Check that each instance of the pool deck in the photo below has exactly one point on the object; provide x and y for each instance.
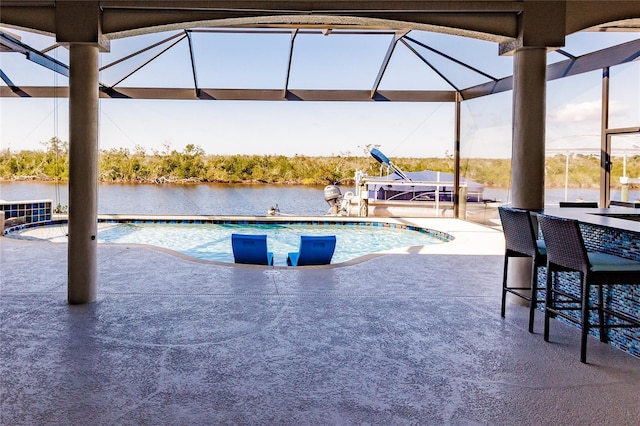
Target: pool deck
(409, 337)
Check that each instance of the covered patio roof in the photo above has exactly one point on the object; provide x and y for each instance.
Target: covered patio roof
(444, 64)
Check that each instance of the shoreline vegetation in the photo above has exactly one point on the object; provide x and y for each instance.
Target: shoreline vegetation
(193, 165)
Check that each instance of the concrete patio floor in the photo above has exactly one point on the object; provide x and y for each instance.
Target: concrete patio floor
(412, 337)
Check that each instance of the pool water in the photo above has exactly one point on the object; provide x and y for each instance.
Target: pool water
(213, 241)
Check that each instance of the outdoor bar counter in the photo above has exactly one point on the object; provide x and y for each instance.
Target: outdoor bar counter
(615, 231)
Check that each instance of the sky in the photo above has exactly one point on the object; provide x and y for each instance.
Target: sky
(336, 61)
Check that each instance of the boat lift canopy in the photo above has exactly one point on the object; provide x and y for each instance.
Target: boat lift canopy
(384, 160)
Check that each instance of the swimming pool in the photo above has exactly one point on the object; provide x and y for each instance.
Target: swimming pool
(211, 239)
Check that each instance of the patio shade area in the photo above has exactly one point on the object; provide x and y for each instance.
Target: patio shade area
(413, 337)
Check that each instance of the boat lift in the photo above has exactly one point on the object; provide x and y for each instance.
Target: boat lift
(414, 194)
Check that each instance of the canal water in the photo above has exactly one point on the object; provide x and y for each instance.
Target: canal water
(225, 199)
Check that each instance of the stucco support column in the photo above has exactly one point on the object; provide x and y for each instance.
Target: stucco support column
(528, 149)
(83, 173)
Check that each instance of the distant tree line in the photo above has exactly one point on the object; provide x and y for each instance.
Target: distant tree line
(193, 165)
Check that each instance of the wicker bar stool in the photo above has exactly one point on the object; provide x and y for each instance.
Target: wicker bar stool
(566, 252)
(521, 241)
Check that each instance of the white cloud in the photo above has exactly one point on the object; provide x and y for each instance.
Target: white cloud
(584, 111)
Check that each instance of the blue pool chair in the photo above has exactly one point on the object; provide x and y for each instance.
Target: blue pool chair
(251, 249)
(314, 250)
